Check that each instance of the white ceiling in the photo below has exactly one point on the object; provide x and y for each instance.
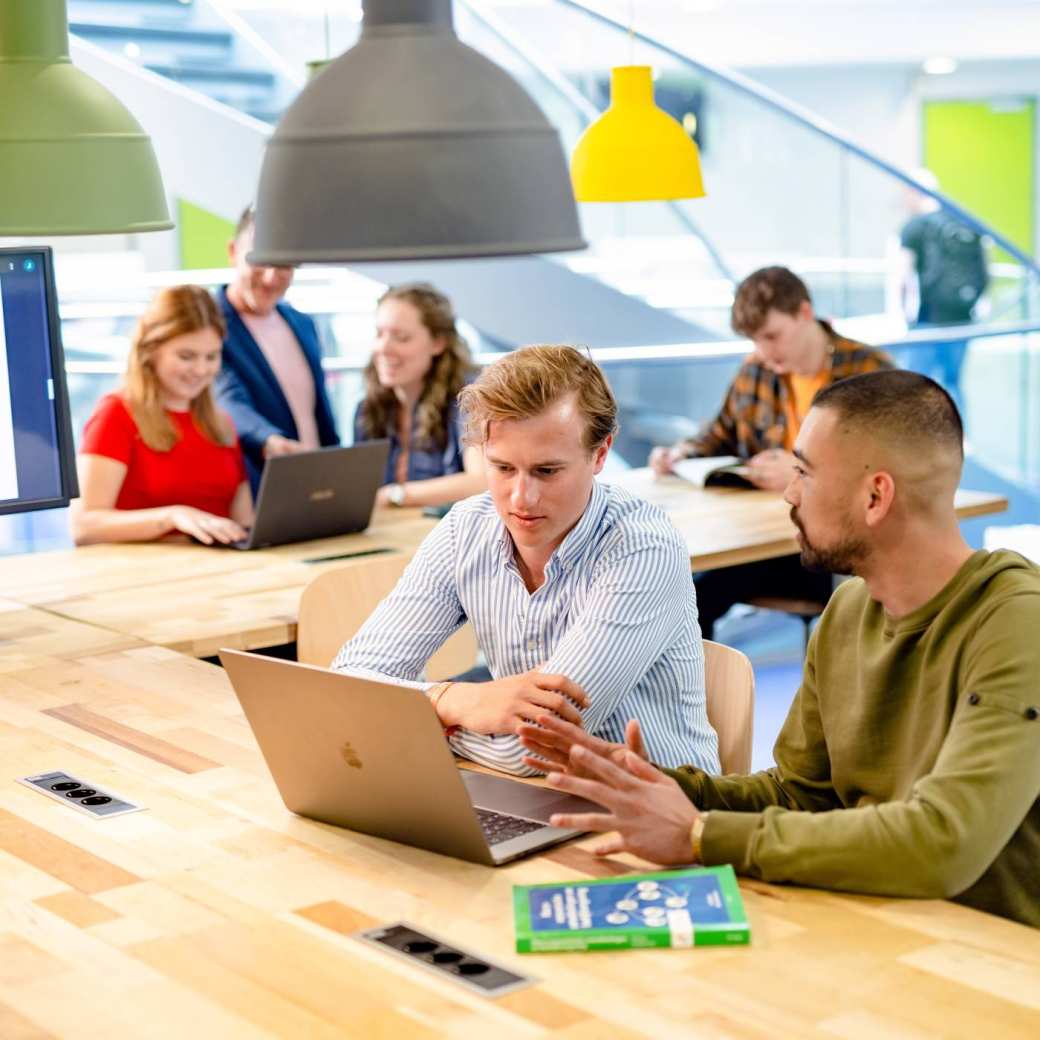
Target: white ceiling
(774, 33)
(756, 33)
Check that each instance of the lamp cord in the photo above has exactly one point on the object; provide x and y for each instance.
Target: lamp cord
(631, 32)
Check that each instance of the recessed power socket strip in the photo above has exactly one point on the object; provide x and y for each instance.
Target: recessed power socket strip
(445, 959)
(86, 797)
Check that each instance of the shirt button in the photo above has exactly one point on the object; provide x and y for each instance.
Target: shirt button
(973, 698)
(532, 645)
(1032, 713)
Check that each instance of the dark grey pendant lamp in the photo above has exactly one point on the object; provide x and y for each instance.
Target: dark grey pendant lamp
(411, 145)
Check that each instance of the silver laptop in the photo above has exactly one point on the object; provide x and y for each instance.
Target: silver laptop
(317, 494)
(371, 757)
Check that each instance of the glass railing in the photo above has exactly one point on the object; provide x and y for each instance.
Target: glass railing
(99, 312)
(658, 252)
(666, 392)
(783, 187)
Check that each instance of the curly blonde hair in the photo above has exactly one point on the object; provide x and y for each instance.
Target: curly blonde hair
(449, 372)
(526, 382)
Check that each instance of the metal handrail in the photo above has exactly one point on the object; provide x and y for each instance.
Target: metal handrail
(794, 112)
(553, 77)
(657, 353)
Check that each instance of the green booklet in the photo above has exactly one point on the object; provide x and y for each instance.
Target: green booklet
(681, 908)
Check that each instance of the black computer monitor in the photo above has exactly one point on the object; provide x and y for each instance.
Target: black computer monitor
(37, 454)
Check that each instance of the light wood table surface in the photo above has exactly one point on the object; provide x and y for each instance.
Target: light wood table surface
(196, 599)
(218, 914)
(724, 527)
(31, 638)
(45, 578)
(193, 598)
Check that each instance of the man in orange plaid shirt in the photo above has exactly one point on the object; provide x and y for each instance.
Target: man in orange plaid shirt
(796, 354)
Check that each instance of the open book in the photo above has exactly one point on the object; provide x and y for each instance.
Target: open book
(714, 471)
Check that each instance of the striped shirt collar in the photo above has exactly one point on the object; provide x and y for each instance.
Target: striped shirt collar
(577, 540)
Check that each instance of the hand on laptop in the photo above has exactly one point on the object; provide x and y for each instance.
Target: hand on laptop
(648, 809)
(276, 444)
(203, 526)
(550, 740)
(500, 706)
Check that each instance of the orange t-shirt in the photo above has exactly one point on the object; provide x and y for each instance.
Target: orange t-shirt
(800, 392)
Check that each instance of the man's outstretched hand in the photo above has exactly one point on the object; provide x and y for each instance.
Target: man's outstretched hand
(649, 811)
(551, 739)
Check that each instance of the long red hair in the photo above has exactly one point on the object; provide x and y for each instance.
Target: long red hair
(174, 311)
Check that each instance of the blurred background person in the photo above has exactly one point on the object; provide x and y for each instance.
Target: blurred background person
(418, 366)
(158, 456)
(271, 380)
(940, 275)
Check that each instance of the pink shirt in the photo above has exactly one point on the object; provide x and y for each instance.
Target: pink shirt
(287, 361)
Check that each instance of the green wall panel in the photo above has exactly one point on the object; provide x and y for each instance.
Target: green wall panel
(983, 153)
(203, 236)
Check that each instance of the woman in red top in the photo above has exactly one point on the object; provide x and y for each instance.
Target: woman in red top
(158, 457)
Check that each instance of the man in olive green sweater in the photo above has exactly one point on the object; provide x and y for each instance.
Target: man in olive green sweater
(909, 764)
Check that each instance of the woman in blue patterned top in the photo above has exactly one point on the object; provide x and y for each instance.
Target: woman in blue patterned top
(419, 364)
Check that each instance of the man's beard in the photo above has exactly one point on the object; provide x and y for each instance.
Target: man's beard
(841, 558)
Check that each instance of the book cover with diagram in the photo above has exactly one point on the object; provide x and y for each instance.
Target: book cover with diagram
(700, 906)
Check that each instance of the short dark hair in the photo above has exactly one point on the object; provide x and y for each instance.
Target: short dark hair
(769, 288)
(907, 407)
(245, 221)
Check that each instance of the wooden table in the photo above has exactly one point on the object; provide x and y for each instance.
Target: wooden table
(216, 913)
(36, 638)
(47, 578)
(196, 599)
(724, 527)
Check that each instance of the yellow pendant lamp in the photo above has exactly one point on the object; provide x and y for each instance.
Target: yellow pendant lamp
(635, 151)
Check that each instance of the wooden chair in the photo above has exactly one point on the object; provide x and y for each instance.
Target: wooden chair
(730, 687)
(335, 605)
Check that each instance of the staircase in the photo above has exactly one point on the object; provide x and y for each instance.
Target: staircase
(190, 42)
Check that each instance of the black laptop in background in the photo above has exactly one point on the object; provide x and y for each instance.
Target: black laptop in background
(317, 494)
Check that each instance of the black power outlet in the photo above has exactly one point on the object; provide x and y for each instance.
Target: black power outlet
(63, 787)
(447, 959)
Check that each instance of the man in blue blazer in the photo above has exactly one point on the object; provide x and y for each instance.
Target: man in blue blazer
(271, 381)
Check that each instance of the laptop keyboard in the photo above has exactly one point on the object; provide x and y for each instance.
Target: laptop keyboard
(498, 827)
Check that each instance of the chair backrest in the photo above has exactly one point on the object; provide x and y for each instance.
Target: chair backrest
(729, 683)
(336, 604)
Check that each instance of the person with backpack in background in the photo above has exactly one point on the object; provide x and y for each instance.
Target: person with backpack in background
(942, 276)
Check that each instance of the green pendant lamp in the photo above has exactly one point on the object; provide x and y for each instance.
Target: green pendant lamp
(412, 145)
(73, 161)
(635, 151)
